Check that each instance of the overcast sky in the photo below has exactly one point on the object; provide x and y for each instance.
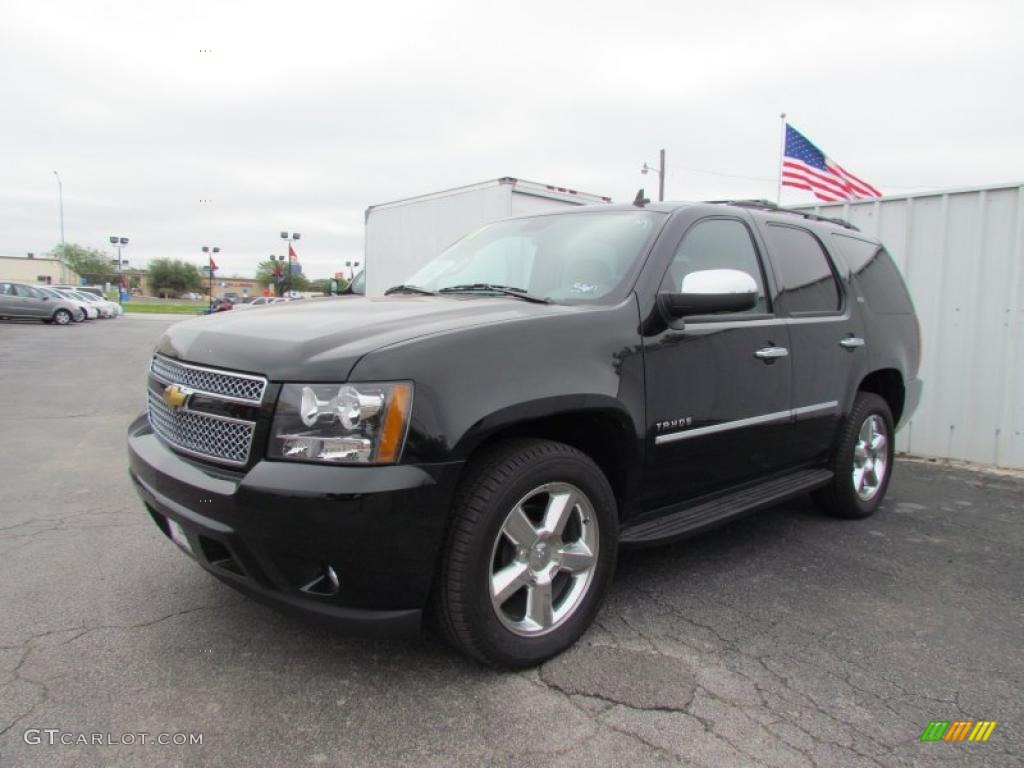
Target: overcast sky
(304, 113)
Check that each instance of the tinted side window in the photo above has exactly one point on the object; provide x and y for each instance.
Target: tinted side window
(876, 275)
(716, 244)
(25, 291)
(806, 281)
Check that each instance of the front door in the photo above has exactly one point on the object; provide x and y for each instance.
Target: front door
(718, 389)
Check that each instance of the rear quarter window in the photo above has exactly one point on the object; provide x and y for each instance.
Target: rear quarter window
(877, 276)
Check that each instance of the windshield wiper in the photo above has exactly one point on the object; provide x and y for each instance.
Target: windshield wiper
(408, 289)
(504, 290)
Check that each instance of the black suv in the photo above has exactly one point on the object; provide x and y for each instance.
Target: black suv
(478, 444)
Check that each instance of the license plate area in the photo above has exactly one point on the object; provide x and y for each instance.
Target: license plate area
(178, 536)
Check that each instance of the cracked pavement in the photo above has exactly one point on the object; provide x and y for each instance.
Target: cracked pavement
(785, 639)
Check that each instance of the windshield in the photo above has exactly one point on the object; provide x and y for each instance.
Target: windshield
(561, 257)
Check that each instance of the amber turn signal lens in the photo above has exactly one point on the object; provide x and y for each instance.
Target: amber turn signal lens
(396, 420)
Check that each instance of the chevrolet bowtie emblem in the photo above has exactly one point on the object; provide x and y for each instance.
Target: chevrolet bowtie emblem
(175, 396)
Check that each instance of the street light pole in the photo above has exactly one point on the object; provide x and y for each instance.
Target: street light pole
(209, 268)
(119, 243)
(660, 170)
(60, 197)
(289, 238)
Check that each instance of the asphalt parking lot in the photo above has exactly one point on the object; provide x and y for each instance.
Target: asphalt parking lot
(787, 639)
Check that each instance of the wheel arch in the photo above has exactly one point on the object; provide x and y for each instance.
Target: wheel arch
(888, 384)
(603, 431)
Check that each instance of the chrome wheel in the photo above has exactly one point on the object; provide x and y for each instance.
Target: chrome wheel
(543, 559)
(870, 457)
(61, 317)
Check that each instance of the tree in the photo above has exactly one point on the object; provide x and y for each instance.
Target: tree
(266, 276)
(173, 276)
(91, 263)
(323, 285)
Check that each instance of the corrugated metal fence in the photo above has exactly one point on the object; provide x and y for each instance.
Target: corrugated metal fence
(962, 253)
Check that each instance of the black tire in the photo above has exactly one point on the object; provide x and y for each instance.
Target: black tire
(62, 317)
(497, 481)
(840, 498)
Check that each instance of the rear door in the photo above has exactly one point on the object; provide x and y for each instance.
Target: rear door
(825, 332)
(718, 388)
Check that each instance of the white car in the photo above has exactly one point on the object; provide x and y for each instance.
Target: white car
(92, 311)
(259, 301)
(106, 307)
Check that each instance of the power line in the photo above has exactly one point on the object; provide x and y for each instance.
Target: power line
(765, 178)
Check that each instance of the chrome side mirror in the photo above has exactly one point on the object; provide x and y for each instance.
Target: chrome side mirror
(710, 291)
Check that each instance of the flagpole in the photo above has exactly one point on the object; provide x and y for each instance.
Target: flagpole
(782, 154)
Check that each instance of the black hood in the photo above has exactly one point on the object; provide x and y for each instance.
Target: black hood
(322, 339)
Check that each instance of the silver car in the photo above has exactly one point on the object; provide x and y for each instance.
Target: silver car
(106, 308)
(23, 300)
(91, 310)
(53, 293)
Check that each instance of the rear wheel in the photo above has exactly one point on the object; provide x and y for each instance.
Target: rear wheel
(530, 553)
(861, 461)
(62, 317)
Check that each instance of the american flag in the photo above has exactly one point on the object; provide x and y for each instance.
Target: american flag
(804, 166)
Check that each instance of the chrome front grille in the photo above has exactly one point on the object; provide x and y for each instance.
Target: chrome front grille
(231, 386)
(202, 433)
(208, 436)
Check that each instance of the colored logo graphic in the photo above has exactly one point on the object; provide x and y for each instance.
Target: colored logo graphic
(958, 730)
(175, 396)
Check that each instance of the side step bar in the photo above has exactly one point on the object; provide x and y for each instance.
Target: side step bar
(691, 519)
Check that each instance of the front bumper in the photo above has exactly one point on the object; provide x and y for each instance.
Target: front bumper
(272, 530)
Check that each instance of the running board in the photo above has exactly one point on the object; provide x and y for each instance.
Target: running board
(691, 519)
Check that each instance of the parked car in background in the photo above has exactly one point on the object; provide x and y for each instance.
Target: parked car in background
(259, 301)
(80, 313)
(25, 301)
(95, 290)
(91, 310)
(107, 309)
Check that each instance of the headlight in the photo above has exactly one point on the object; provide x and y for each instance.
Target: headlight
(341, 423)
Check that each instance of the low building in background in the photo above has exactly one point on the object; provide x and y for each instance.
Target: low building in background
(37, 270)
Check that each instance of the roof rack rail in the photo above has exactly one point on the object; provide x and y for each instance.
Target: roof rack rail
(768, 205)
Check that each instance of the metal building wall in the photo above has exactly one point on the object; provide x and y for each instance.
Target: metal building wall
(962, 254)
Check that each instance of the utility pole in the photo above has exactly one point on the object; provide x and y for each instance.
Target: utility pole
(119, 243)
(661, 178)
(209, 268)
(289, 238)
(660, 170)
(60, 196)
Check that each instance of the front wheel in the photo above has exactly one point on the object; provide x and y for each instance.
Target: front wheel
(62, 317)
(861, 461)
(530, 553)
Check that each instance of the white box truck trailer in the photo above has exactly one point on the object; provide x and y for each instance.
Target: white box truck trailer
(403, 235)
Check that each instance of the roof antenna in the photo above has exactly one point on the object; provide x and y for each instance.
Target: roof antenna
(640, 201)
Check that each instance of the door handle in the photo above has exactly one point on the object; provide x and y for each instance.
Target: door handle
(771, 353)
(852, 342)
